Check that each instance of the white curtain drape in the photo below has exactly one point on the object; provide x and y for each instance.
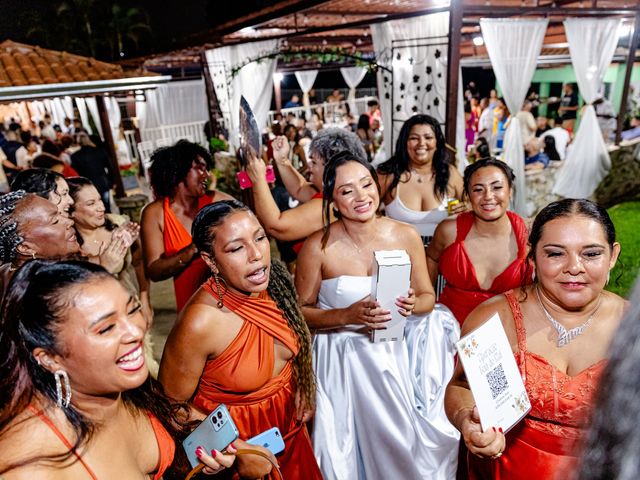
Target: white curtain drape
(352, 77)
(67, 105)
(513, 45)
(592, 43)
(174, 103)
(415, 78)
(306, 79)
(251, 79)
(92, 106)
(84, 114)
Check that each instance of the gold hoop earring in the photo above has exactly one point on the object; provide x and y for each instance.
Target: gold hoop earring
(216, 278)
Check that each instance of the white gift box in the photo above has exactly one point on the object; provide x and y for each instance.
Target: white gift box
(391, 278)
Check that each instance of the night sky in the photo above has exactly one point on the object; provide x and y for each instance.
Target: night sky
(171, 22)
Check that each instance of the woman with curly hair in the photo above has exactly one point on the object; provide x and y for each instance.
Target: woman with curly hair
(419, 179)
(241, 339)
(47, 184)
(179, 177)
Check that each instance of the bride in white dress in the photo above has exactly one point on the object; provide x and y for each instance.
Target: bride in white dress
(380, 412)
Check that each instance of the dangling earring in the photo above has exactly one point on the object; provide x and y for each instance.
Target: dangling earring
(216, 278)
(62, 401)
(533, 276)
(33, 255)
(608, 278)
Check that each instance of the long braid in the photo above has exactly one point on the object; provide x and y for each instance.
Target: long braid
(284, 294)
(9, 237)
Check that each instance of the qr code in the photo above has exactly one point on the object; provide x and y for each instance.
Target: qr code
(497, 381)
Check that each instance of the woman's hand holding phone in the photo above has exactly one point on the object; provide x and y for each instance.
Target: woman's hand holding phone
(256, 168)
(214, 461)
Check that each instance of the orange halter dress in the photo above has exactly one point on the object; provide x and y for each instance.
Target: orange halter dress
(241, 378)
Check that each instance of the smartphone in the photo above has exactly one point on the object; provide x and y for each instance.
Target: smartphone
(216, 431)
(270, 439)
(245, 181)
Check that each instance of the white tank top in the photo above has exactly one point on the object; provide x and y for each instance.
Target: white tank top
(425, 221)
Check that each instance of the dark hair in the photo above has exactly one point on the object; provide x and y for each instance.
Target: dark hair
(170, 166)
(483, 163)
(565, 208)
(50, 147)
(9, 237)
(76, 184)
(32, 313)
(399, 163)
(550, 148)
(612, 443)
(36, 180)
(331, 141)
(46, 160)
(210, 216)
(280, 289)
(329, 184)
(363, 122)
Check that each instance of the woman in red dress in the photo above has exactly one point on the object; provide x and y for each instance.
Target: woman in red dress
(242, 341)
(483, 252)
(559, 329)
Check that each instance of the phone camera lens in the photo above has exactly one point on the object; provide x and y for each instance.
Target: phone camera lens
(220, 415)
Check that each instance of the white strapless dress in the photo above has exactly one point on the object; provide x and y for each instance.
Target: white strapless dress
(380, 407)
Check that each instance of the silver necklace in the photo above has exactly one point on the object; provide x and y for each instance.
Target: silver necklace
(564, 335)
(352, 242)
(418, 175)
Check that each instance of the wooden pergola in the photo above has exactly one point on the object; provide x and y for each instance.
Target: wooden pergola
(326, 24)
(29, 73)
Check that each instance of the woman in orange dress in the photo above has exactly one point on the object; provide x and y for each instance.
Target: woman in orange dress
(179, 176)
(241, 339)
(77, 399)
(559, 329)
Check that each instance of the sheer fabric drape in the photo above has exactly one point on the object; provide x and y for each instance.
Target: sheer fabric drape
(513, 46)
(352, 77)
(252, 79)
(592, 43)
(306, 79)
(173, 103)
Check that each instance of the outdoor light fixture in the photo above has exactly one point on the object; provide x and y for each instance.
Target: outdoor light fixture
(478, 41)
(277, 77)
(248, 30)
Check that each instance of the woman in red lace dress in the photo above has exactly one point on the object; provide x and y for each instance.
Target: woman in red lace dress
(483, 252)
(559, 329)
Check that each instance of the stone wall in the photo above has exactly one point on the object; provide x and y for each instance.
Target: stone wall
(623, 181)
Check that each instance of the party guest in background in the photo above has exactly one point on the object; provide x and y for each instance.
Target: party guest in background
(179, 178)
(46, 184)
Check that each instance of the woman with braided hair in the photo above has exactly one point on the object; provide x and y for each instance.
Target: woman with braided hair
(32, 227)
(241, 339)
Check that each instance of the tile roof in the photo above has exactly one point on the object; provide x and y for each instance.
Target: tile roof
(22, 65)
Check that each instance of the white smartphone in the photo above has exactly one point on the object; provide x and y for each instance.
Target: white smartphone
(216, 431)
(270, 439)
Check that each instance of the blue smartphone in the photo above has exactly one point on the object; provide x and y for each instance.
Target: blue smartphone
(216, 431)
(270, 439)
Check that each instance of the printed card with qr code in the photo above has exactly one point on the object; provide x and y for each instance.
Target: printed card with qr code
(493, 375)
